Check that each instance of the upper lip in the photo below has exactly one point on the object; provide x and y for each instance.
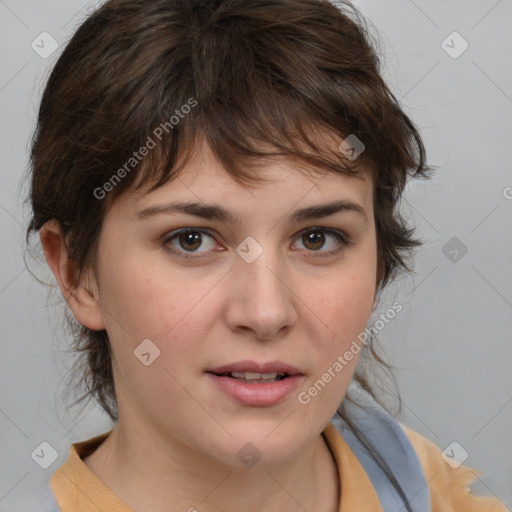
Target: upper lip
(252, 366)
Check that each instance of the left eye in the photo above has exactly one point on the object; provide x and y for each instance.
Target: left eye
(187, 241)
(315, 239)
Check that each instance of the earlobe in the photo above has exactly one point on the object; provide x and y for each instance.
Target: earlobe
(82, 297)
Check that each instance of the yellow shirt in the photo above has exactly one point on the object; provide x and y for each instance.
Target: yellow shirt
(78, 489)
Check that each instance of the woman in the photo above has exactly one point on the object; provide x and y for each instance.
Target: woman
(214, 183)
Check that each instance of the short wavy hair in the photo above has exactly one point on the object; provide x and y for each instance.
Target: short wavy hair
(259, 73)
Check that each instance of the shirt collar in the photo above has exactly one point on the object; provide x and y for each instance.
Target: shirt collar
(78, 489)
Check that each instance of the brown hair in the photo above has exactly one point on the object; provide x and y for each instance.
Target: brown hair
(243, 75)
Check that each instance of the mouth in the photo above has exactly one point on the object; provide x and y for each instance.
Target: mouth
(256, 384)
(253, 372)
(254, 377)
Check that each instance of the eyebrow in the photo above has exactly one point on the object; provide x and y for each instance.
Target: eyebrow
(218, 212)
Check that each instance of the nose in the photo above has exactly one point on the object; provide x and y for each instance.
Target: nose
(261, 298)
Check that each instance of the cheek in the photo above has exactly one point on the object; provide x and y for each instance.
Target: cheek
(344, 304)
(345, 307)
(172, 309)
(345, 311)
(143, 298)
(345, 299)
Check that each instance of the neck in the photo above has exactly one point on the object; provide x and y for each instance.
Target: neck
(150, 473)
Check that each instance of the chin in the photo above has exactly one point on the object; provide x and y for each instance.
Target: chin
(256, 444)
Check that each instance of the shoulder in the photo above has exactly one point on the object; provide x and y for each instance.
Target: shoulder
(449, 487)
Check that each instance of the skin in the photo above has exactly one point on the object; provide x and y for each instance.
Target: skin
(175, 444)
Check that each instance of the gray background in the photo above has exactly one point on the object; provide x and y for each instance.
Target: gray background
(451, 343)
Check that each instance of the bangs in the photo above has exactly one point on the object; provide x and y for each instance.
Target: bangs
(253, 95)
(245, 145)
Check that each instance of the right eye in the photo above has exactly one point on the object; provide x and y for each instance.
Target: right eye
(186, 241)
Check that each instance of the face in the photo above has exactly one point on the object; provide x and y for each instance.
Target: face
(254, 284)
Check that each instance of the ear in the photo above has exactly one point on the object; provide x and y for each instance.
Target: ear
(82, 297)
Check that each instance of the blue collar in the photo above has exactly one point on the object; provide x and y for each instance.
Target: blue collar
(389, 440)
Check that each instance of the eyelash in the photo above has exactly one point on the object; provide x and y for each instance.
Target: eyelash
(340, 236)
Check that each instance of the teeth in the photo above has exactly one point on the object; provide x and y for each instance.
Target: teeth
(255, 375)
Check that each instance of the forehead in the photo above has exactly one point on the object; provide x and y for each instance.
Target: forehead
(283, 182)
(276, 174)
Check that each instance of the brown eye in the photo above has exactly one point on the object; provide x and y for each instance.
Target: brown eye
(188, 241)
(316, 239)
(313, 240)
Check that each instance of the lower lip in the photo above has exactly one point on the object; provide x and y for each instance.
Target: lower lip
(258, 394)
